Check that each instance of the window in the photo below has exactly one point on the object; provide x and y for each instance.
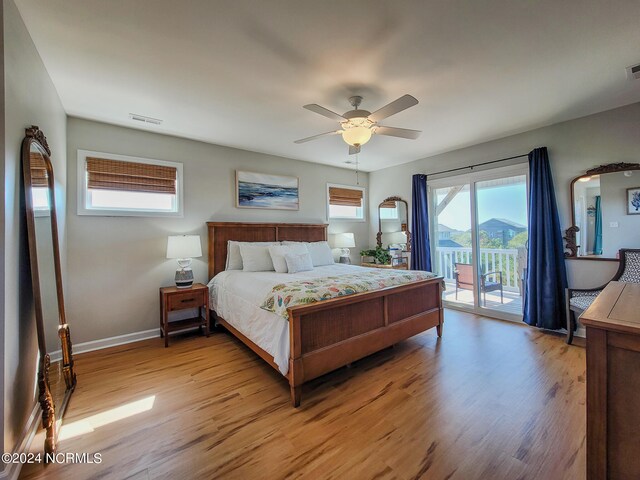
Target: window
(39, 184)
(345, 202)
(40, 196)
(118, 185)
(388, 210)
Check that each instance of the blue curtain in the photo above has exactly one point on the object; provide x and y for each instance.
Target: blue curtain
(597, 244)
(420, 247)
(546, 275)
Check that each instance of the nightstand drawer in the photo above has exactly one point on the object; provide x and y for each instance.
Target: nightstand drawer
(180, 301)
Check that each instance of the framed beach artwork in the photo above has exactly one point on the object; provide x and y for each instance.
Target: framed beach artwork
(261, 190)
(633, 201)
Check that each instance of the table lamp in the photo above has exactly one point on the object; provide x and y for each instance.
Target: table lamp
(184, 248)
(397, 238)
(344, 241)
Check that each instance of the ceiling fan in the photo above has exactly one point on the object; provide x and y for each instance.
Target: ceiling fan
(357, 126)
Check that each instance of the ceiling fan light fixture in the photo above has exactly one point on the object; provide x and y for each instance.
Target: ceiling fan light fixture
(358, 125)
(356, 135)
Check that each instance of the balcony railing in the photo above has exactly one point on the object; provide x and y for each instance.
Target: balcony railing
(503, 260)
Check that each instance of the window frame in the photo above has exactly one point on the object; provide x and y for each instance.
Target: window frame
(347, 219)
(83, 209)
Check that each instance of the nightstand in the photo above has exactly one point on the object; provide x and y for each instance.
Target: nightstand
(173, 299)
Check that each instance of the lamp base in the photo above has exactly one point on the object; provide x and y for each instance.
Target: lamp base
(345, 256)
(184, 278)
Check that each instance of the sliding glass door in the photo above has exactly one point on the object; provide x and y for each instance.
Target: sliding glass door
(452, 239)
(479, 239)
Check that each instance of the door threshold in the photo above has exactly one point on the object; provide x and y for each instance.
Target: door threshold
(509, 317)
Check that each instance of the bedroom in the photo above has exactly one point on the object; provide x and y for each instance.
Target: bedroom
(488, 399)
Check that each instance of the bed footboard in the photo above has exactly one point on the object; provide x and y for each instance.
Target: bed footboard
(330, 334)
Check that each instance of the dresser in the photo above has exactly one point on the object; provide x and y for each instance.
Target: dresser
(613, 383)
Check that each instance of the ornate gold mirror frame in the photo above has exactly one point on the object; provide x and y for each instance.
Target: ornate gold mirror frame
(46, 277)
(571, 244)
(405, 223)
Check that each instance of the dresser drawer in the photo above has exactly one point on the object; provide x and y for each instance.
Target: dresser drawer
(180, 301)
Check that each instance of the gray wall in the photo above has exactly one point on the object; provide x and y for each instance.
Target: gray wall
(30, 99)
(117, 264)
(2, 243)
(574, 147)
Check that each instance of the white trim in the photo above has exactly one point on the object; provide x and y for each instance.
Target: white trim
(85, 347)
(12, 470)
(348, 219)
(82, 191)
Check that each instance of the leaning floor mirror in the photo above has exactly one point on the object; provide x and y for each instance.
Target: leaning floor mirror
(56, 377)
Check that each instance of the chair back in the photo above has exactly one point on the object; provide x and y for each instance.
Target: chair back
(629, 270)
(465, 275)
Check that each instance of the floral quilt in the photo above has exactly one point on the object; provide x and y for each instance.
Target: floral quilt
(302, 292)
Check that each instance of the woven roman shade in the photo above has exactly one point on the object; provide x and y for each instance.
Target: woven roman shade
(39, 175)
(345, 196)
(388, 204)
(104, 174)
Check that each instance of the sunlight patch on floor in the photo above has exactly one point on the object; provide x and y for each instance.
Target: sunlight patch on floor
(89, 424)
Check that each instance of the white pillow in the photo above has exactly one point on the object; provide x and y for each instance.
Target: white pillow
(298, 262)
(320, 252)
(278, 252)
(255, 258)
(234, 259)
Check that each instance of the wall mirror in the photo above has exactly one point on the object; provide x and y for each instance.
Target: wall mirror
(56, 378)
(393, 223)
(605, 212)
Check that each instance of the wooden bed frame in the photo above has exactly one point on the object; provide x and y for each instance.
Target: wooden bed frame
(327, 335)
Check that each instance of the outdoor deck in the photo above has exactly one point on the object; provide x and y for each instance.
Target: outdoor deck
(513, 302)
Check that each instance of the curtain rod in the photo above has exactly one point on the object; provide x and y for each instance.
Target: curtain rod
(476, 165)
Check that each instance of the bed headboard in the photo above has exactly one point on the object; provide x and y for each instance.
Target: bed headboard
(221, 232)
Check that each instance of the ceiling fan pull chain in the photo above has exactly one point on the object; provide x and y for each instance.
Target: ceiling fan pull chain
(357, 170)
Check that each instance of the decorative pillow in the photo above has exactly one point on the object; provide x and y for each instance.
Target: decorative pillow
(298, 262)
(320, 252)
(255, 258)
(234, 259)
(278, 252)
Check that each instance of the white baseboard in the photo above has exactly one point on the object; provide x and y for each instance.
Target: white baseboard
(84, 347)
(12, 470)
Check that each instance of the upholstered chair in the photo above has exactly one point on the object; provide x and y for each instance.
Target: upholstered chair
(579, 299)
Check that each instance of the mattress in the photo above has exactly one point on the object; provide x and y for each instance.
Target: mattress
(236, 296)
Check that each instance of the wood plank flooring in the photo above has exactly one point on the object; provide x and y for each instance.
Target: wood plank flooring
(490, 400)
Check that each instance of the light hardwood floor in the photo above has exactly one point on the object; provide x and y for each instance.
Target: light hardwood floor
(490, 400)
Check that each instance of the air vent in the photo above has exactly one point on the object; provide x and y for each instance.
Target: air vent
(633, 72)
(143, 119)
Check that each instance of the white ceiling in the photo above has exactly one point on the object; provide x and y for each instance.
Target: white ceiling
(238, 72)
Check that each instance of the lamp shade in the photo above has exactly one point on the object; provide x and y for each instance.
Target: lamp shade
(344, 240)
(184, 246)
(397, 237)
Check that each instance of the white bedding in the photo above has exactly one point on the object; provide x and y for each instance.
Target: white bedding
(236, 295)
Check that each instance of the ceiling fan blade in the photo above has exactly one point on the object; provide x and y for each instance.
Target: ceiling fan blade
(397, 132)
(327, 134)
(394, 107)
(353, 149)
(314, 107)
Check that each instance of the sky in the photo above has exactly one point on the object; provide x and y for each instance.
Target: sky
(506, 201)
